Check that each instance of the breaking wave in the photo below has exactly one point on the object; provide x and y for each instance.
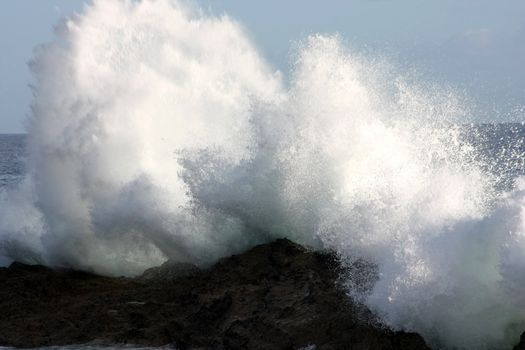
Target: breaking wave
(158, 132)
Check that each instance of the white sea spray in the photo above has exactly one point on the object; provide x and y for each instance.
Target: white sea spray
(160, 132)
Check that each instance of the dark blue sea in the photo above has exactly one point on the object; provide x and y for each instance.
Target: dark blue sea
(12, 159)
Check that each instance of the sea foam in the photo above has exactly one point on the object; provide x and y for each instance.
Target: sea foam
(159, 131)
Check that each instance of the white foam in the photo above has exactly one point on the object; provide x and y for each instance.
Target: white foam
(159, 132)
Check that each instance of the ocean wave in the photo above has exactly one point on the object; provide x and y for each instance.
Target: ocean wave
(160, 132)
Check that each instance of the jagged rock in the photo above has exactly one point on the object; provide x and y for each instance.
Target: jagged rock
(169, 271)
(275, 296)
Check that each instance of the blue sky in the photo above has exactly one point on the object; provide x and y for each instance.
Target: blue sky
(475, 45)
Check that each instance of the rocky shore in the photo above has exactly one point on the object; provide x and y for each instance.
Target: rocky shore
(275, 296)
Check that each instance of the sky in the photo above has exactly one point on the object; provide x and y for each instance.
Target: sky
(477, 46)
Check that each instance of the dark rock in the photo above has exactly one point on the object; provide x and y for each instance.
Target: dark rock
(521, 344)
(169, 270)
(275, 296)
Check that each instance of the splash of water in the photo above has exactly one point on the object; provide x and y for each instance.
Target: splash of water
(159, 132)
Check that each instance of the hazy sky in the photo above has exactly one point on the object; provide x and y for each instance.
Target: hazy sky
(475, 45)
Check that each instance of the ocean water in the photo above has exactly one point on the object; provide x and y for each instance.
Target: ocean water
(12, 166)
(12, 154)
(159, 131)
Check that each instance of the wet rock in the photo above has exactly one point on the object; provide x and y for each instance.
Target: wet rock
(275, 296)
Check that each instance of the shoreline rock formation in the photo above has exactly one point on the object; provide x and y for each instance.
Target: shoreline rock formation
(274, 296)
